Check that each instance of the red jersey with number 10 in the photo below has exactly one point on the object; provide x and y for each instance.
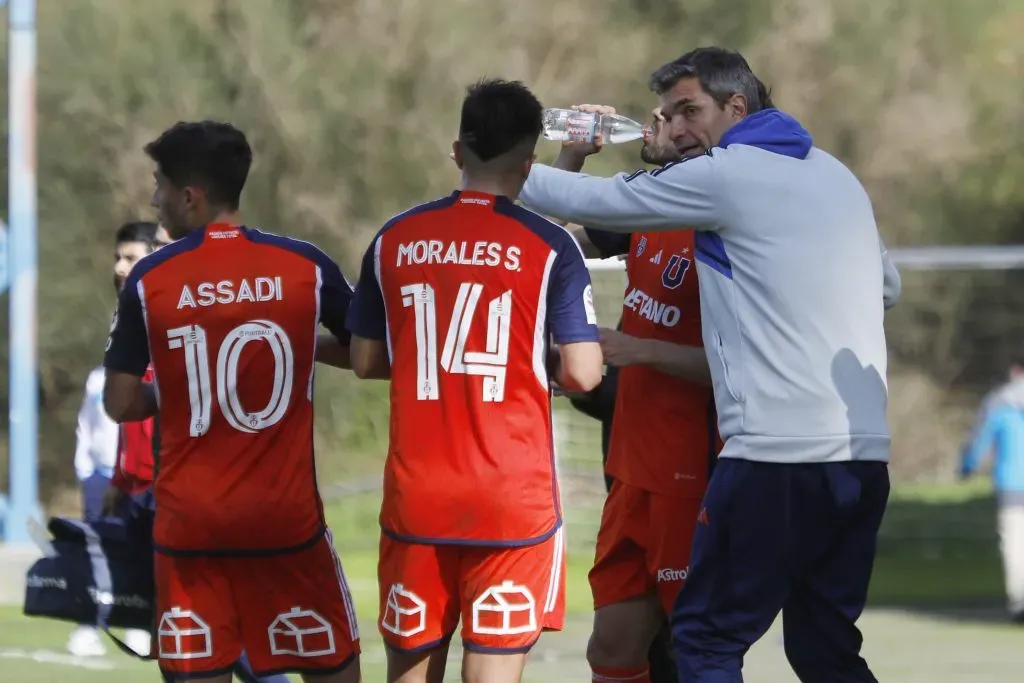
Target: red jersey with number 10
(229, 318)
(467, 291)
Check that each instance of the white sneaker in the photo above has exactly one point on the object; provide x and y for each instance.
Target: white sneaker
(85, 641)
(138, 640)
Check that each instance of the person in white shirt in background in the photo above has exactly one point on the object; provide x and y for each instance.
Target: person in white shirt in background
(97, 436)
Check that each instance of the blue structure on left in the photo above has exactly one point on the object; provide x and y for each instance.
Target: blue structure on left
(23, 497)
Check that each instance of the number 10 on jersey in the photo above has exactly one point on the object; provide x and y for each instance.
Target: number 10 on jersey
(192, 340)
(490, 364)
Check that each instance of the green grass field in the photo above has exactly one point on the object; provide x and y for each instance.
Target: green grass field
(935, 606)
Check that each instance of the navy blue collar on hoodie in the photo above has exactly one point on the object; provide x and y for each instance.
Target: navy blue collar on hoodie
(773, 131)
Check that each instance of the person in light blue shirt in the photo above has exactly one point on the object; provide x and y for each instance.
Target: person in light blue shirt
(1000, 433)
(794, 282)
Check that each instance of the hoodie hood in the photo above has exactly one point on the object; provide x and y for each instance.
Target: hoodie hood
(773, 131)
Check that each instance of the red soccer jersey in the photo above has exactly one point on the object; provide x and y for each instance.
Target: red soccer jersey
(229, 316)
(467, 290)
(664, 433)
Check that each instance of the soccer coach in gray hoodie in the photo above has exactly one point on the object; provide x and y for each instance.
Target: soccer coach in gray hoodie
(793, 276)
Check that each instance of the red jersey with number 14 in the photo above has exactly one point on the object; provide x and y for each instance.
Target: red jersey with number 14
(229, 317)
(467, 291)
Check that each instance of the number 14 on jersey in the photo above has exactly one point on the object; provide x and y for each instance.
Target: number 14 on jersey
(490, 364)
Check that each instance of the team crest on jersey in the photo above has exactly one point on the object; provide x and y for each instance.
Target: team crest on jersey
(641, 245)
(675, 271)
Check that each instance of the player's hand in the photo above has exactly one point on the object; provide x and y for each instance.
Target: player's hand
(112, 500)
(619, 349)
(573, 154)
(658, 148)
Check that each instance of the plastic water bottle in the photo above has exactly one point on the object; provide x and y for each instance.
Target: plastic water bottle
(565, 125)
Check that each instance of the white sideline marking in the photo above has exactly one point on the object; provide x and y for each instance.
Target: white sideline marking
(51, 657)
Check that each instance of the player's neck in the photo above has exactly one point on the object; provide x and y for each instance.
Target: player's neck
(227, 217)
(499, 187)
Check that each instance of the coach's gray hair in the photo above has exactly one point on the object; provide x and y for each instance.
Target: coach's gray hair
(722, 73)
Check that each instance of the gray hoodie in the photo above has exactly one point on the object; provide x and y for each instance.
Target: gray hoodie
(792, 277)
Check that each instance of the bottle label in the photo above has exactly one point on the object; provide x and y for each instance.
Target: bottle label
(581, 127)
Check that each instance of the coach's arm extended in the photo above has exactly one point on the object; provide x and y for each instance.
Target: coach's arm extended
(687, 193)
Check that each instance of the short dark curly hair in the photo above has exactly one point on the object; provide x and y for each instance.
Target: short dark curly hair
(498, 117)
(208, 154)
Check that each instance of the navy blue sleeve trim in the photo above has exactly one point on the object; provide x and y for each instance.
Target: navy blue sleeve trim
(571, 315)
(367, 317)
(127, 348)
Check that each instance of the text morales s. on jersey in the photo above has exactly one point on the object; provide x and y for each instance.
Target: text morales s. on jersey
(480, 253)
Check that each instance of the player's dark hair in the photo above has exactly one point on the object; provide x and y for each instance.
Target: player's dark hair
(208, 154)
(722, 73)
(500, 120)
(138, 231)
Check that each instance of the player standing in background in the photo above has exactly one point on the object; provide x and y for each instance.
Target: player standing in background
(99, 447)
(137, 442)
(664, 439)
(463, 294)
(231, 315)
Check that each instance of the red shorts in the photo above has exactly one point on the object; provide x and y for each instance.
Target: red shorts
(504, 596)
(643, 545)
(290, 613)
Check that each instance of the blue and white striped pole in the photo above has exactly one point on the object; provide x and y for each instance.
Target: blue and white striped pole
(21, 252)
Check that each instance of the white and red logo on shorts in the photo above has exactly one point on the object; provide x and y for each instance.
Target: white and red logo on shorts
(405, 613)
(301, 633)
(182, 634)
(505, 610)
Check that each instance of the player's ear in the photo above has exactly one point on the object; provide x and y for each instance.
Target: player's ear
(456, 154)
(528, 164)
(194, 199)
(737, 106)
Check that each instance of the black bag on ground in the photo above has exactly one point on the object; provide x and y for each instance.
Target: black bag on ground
(97, 573)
